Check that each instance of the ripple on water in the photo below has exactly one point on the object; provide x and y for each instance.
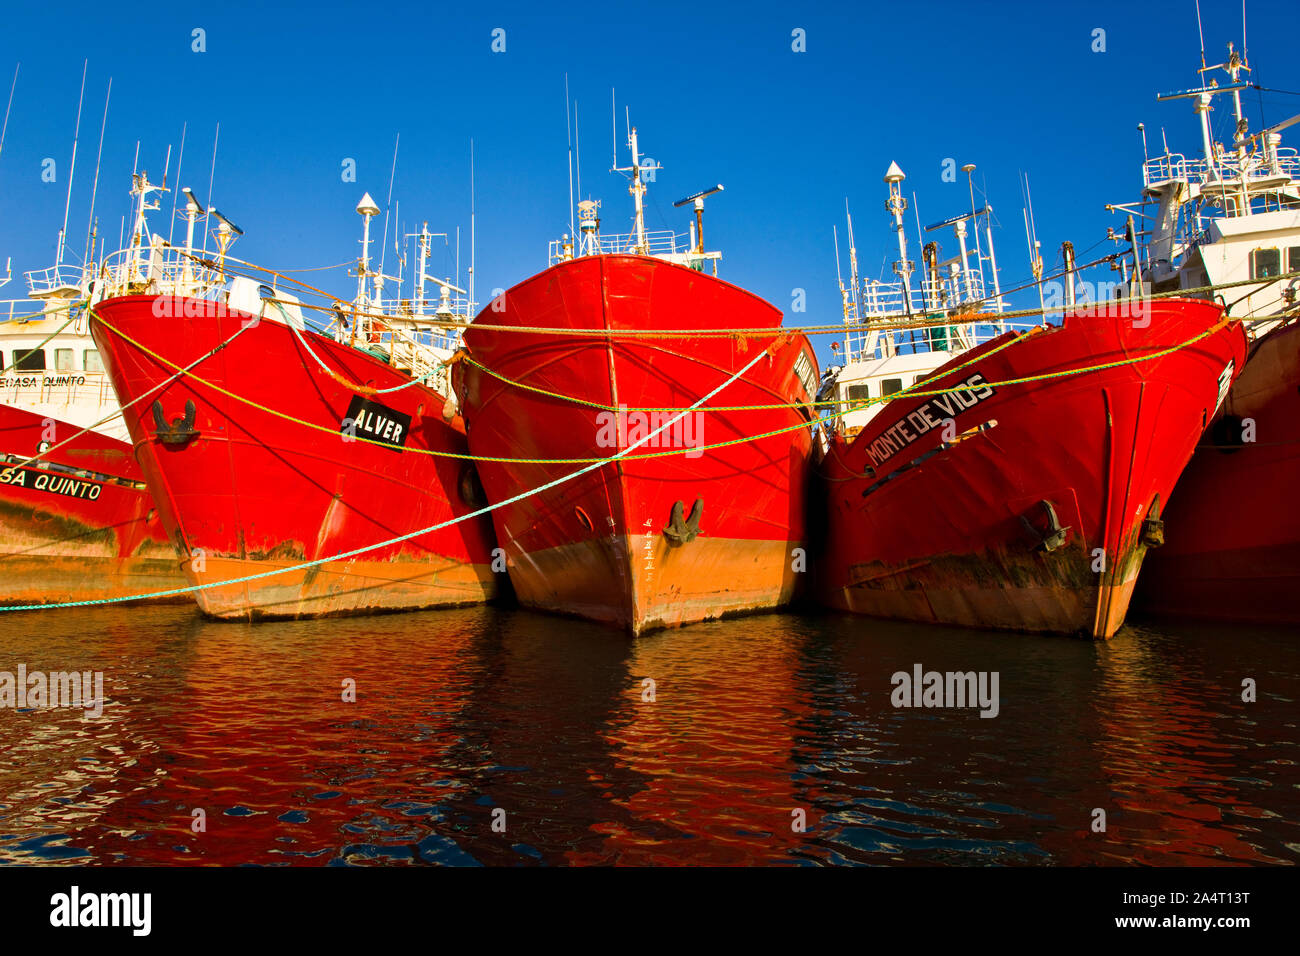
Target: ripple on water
(497, 737)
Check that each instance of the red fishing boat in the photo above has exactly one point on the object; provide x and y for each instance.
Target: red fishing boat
(671, 530)
(279, 446)
(1023, 487)
(1232, 547)
(76, 521)
(1228, 218)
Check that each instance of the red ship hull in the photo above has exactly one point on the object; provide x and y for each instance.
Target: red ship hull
(255, 492)
(959, 528)
(79, 524)
(1232, 549)
(605, 545)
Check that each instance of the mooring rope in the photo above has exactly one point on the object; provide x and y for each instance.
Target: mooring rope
(838, 402)
(399, 538)
(591, 464)
(920, 320)
(829, 403)
(864, 403)
(355, 386)
(72, 316)
(121, 408)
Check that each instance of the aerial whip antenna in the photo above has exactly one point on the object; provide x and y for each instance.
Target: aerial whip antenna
(568, 132)
(212, 175)
(1244, 46)
(471, 224)
(12, 87)
(388, 206)
(175, 195)
(1200, 32)
(72, 168)
(94, 190)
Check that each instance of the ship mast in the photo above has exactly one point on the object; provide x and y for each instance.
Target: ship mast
(638, 190)
(897, 205)
(192, 212)
(141, 188)
(854, 287)
(367, 210)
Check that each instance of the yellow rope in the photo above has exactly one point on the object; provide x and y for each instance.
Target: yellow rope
(35, 348)
(696, 449)
(922, 320)
(464, 356)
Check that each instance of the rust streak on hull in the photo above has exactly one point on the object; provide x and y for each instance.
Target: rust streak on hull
(338, 588)
(667, 585)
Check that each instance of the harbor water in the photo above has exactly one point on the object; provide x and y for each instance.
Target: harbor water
(502, 737)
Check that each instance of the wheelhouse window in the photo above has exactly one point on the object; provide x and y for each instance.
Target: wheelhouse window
(859, 393)
(63, 360)
(1293, 259)
(1265, 263)
(29, 361)
(890, 386)
(91, 361)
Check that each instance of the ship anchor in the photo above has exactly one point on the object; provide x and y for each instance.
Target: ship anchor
(181, 429)
(1054, 536)
(684, 531)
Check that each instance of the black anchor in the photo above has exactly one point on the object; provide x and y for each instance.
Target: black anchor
(1055, 535)
(180, 430)
(683, 531)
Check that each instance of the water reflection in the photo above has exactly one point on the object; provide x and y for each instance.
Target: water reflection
(504, 738)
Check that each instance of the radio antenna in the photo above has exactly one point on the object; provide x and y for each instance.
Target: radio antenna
(212, 175)
(1244, 46)
(471, 225)
(388, 205)
(1200, 33)
(12, 86)
(568, 132)
(94, 190)
(72, 168)
(175, 194)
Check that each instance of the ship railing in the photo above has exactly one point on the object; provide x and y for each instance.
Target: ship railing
(1161, 169)
(657, 243)
(457, 308)
(157, 271)
(425, 361)
(14, 310)
(425, 325)
(863, 345)
(1227, 169)
(42, 283)
(884, 300)
(422, 338)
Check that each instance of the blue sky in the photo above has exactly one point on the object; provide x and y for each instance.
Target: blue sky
(716, 91)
